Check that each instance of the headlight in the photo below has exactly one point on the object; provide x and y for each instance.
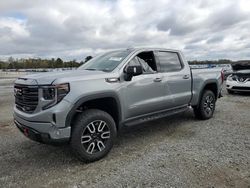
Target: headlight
(49, 93)
(54, 94)
(62, 91)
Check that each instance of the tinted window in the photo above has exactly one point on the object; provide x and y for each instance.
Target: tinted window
(169, 61)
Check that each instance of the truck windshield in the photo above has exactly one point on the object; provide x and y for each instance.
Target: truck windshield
(106, 62)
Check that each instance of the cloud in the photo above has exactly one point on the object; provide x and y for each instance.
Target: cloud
(215, 39)
(73, 29)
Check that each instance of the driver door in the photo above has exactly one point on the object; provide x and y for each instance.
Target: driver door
(144, 94)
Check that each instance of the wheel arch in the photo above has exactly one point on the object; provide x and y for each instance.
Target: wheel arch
(212, 85)
(108, 102)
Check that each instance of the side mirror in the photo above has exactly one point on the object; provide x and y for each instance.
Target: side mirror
(132, 71)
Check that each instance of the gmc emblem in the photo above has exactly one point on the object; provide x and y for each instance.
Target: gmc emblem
(18, 91)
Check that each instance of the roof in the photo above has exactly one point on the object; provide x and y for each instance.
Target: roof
(152, 48)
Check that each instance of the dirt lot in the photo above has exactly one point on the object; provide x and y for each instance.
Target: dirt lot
(171, 152)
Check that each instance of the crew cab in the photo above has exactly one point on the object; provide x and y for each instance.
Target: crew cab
(88, 106)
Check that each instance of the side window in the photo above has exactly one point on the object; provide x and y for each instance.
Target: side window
(169, 61)
(137, 61)
(133, 62)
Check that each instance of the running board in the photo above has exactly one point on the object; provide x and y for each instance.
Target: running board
(154, 116)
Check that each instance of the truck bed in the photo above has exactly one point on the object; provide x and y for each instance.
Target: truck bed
(202, 77)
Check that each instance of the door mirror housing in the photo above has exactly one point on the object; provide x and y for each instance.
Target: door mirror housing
(132, 71)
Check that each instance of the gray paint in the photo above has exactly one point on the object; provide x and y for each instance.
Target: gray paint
(142, 95)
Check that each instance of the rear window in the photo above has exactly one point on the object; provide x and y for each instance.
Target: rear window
(169, 61)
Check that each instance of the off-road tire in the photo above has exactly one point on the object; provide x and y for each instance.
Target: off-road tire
(201, 111)
(79, 127)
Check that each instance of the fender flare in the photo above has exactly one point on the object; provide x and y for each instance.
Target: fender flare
(87, 98)
(203, 88)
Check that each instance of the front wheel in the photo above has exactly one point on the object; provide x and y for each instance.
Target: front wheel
(93, 134)
(206, 107)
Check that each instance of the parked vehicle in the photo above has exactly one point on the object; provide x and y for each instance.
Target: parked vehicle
(87, 107)
(239, 81)
(227, 69)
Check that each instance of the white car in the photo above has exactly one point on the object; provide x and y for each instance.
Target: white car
(238, 81)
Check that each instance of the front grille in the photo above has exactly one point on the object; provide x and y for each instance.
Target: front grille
(26, 97)
(241, 88)
(242, 78)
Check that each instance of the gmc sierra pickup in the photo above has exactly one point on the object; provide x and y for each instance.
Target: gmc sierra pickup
(86, 107)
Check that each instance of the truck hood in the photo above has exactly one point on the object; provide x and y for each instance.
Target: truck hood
(247, 71)
(62, 76)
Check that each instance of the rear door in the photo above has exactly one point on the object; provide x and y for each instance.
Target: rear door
(176, 77)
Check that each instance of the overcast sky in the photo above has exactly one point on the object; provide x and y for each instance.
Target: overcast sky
(73, 29)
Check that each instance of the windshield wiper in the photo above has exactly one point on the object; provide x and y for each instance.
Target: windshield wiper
(91, 69)
(103, 70)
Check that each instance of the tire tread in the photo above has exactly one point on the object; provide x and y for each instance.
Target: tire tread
(198, 110)
(83, 119)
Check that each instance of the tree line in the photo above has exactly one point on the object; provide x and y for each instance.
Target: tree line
(35, 63)
(220, 61)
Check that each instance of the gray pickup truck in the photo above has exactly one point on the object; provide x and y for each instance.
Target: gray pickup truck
(86, 107)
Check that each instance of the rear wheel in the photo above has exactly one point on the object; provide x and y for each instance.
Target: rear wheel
(205, 109)
(93, 135)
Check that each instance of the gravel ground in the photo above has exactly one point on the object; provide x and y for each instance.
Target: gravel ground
(173, 152)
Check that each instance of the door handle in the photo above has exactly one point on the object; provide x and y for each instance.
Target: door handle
(157, 80)
(186, 76)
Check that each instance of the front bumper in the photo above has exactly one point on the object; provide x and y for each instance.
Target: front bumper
(37, 136)
(238, 86)
(42, 132)
(45, 126)
(49, 134)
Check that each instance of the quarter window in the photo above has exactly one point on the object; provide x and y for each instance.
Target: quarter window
(169, 61)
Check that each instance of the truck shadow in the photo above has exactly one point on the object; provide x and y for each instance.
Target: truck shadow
(167, 123)
(156, 129)
(43, 158)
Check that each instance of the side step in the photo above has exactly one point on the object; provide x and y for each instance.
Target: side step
(154, 116)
